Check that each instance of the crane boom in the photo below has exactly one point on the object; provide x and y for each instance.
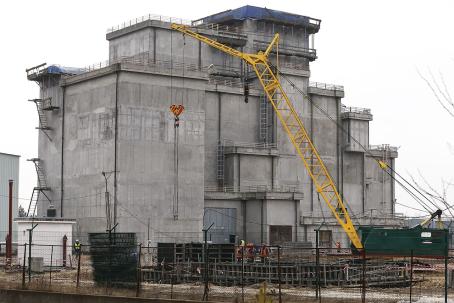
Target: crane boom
(293, 126)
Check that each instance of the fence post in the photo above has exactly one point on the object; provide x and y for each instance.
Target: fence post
(78, 267)
(139, 271)
(279, 271)
(23, 266)
(363, 288)
(317, 267)
(65, 241)
(242, 273)
(50, 269)
(446, 263)
(411, 273)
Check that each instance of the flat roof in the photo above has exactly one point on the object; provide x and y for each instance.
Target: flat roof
(7, 154)
(260, 13)
(44, 220)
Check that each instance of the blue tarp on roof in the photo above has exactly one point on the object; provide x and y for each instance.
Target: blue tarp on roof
(56, 69)
(259, 13)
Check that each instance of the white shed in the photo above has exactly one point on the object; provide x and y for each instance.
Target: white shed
(47, 239)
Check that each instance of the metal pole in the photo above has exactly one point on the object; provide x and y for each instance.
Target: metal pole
(446, 264)
(411, 273)
(242, 274)
(206, 262)
(78, 266)
(279, 272)
(50, 269)
(363, 291)
(65, 241)
(23, 266)
(29, 254)
(317, 265)
(139, 271)
(9, 238)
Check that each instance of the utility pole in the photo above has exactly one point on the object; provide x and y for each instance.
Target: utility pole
(30, 233)
(9, 237)
(318, 294)
(148, 236)
(205, 255)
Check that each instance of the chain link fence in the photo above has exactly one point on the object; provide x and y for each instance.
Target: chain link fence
(227, 273)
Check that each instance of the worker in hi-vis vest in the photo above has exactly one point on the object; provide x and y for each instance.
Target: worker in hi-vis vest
(77, 247)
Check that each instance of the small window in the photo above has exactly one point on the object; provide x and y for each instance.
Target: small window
(280, 234)
(325, 238)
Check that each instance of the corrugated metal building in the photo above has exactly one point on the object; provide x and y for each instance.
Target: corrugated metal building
(9, 170)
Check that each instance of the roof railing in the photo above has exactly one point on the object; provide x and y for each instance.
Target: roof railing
(384, 147)
(355, 110)
(146, 18)
(326, 86)
(230, 143)
(254, 188)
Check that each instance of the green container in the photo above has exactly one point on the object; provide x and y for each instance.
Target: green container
(419, 241)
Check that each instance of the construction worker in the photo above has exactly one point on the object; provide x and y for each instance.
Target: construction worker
(264, 252)
(250, 252)
(239, 251)
(338, 246)
(77, 247)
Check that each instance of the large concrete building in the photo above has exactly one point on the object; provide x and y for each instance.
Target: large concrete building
(229, 161)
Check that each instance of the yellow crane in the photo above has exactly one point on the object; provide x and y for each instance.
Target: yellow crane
(292, 124)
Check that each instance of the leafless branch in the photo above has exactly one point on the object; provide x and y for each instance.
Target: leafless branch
(443, 97)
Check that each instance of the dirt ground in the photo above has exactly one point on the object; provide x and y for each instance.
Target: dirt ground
(428, 288)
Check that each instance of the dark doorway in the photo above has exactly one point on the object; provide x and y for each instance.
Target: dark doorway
(280, 234)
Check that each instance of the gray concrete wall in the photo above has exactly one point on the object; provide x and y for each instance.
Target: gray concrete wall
(118, 118)
(89, 149)
(49, 146)
(380, 194)
(145, 155)
(354, 174)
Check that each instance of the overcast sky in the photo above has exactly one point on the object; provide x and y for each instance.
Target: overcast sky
(373, 48)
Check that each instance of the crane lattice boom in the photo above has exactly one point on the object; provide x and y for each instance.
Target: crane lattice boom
(292, 124)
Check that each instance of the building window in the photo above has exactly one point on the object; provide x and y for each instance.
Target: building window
(280, 234)
(325, 238)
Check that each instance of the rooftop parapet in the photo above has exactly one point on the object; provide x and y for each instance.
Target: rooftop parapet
(326, 86)
(325, 89)
(224, 33)
(383, 149)
(261, 13)
(358, 113)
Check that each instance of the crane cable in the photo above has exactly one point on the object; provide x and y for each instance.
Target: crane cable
(380, 163)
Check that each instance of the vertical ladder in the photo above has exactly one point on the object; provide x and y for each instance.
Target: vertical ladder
(220, 164)
(37, 190)
(266, 114)
(263, 120)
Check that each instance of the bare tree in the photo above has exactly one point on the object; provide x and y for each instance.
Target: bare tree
(440, 91)
(437, 197)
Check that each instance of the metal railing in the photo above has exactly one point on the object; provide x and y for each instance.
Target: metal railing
(229, 143)
(355, 110)
(326, 86)
(255, 188)
(145, 60)
(384, 147)
(146, 18)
